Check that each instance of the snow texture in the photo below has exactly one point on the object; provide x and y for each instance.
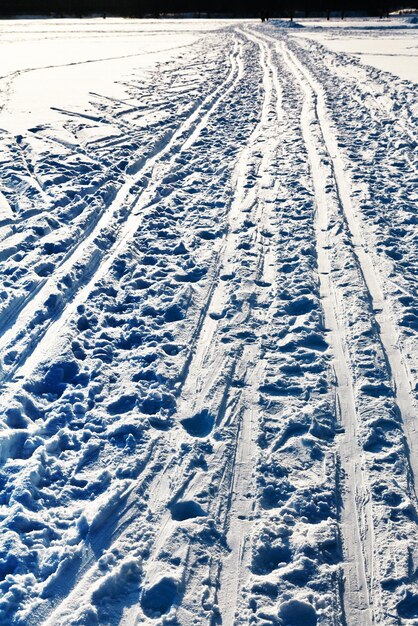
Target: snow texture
(209, 325)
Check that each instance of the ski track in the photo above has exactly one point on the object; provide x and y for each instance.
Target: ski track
(170, 472)
(208, 352)
(401, 376)
(175, 144)
(357, 601)
(397, 371)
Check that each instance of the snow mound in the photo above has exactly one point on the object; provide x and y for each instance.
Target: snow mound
(286, 24)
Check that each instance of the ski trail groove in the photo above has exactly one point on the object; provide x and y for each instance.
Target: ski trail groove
(161, 161)
(170, 473)
(234, 569)
(356, 599)
(401, 376)
(205, 386)
(246, 477)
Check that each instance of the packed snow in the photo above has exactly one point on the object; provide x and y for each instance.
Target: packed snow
(208, 348)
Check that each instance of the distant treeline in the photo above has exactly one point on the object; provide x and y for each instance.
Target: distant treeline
(202, 8)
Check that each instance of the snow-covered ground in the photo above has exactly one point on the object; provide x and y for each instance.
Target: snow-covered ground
(383, 44)
(58, 63)
(208, 315)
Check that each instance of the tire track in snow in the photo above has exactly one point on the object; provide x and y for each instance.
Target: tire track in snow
(356, 599)
(156, 167)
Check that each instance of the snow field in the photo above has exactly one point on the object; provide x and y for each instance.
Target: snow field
(208, 348)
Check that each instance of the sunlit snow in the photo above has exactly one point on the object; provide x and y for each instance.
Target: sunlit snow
(208, 323)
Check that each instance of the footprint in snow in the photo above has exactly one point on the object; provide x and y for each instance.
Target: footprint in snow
(200, 425)
(298, 612)
(191, 277)
(159, 598)
(186, 509)
(408, 607)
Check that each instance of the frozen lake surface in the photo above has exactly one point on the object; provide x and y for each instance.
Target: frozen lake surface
(208, 323)
(59, 62)
(382, 44)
